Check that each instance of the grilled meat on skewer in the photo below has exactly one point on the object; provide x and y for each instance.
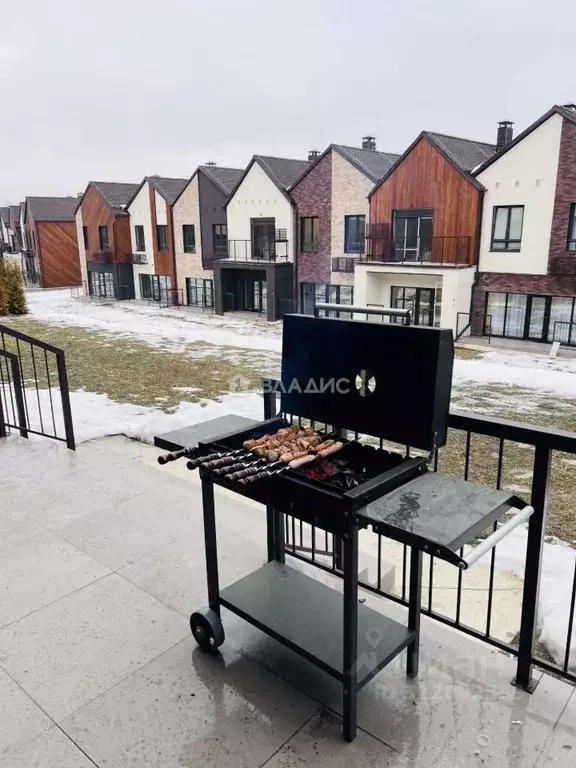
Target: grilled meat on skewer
(255, 476)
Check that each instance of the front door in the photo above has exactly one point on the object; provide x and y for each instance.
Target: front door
(420, 302)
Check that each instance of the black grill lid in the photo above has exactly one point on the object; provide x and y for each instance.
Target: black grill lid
(386, 380)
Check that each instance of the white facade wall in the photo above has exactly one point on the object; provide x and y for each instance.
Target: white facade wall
(81, 250)
(140, 214)
(373, 284)
(525, 175)
(187, 211)
(161, 215)
(258, 197)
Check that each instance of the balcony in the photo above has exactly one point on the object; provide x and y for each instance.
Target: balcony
(102, 257)
(344, 263)
(263, 251)
(448, 251)
(138, 258)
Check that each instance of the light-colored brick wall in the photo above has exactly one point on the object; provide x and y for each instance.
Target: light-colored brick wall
(81, 249)
(349, 198)
(187, 211)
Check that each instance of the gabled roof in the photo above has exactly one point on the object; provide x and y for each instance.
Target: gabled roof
(225, 179)
(464, 152)
(5, 215)
(556, 110)
(52, 208)
(459, 153)
(115, 193)
(15, 212)
(282, 171)
(370, 162)
(170, 189)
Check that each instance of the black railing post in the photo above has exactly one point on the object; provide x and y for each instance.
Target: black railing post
(65, 397)
(3, 430)
(534, 547)
(18, 393)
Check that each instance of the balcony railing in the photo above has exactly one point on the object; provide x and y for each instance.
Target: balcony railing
(102, 257)
(431, 250)
(138, 258)
(257, 250)
(344, 263)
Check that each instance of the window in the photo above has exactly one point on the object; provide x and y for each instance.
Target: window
(103, 238)
(572, 229)
(219, 238)
(507, 228)
(162, 236)
(139, 236)
(354, 232)
(309, 233)
(422, 303)
(189, 238)
(200, 292)
(85, 235)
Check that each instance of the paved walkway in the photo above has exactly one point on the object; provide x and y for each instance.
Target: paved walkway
(101, 562)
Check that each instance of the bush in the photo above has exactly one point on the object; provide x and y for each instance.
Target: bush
(12, 293)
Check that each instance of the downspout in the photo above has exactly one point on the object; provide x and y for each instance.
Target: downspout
(295, 246)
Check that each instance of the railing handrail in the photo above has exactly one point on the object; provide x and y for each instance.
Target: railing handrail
(4, 329)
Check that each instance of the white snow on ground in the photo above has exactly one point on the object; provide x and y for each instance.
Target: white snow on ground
(157, 327)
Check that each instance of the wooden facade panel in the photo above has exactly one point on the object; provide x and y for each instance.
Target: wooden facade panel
(97, 213)
(426, 179)
(59, 255)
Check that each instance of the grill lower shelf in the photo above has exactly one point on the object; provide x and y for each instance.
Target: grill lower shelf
(307, 616)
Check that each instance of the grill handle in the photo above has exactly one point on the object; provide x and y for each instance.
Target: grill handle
(164, 458)
(520, 517)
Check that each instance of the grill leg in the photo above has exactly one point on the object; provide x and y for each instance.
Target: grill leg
(414, 611)
(210, 545)
(270, 533)
(350, 631)
(279, 537)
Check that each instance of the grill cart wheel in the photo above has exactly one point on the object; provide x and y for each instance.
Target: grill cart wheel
(207, 629)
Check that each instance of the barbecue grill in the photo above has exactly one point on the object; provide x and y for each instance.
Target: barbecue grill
(386, 381)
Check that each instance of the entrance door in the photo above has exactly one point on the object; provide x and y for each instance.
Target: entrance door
(420, 302)
(537, 317)
(412, 233)
(263, 238)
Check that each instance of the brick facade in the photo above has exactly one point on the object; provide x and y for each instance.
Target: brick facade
(561, 261)
(313, 197)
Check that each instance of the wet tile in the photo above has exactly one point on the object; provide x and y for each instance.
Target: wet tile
(320, 743)
(189, 709)
(176, 572)
(71, 651)
(20, 718)
(38, 571)
(52, 750)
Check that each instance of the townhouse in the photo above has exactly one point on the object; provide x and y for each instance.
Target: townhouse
(423, 238)
(526, 282)
(257, 272)
(7, 235)
(152, 237)
(331, 199)
(200, 230)
(50, 233)
(103, 235)
(29, 261)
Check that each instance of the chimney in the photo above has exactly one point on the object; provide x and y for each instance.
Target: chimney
(313, 154)
(369, 142)
(210, 164)
(571, 107)
(505, 134)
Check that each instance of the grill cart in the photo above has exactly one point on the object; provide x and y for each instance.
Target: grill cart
(388, 381)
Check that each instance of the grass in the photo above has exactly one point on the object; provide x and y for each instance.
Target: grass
(130, 371)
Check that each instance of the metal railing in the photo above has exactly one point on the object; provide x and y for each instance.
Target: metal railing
(102, 291)
(139, 258)
(467, 325)
(257, 250)
(34, 392)
(565, 333)
(287, 307)
(102, 257)
(167, 297)
(432, 250)
(479, 449)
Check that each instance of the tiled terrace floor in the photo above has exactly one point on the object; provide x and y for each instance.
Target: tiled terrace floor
(101, 562)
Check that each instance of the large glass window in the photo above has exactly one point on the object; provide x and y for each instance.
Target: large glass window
(572, 228)
(354, 234)
(507, 224)
(200, 292)
(516, 315)
(324, 293)
(412, 233)
(562, 326)
(155, 287)
(420, 302)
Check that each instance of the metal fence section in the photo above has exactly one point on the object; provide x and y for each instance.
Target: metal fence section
(485, 450)
(34, 393)
(465, 322)
(565, 333)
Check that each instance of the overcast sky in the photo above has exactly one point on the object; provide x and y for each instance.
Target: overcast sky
(117, 89)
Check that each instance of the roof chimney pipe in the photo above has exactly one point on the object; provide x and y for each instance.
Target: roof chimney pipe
(210, 164)
(369, 142)
(313, 154)
(571, 107)
(505, 134)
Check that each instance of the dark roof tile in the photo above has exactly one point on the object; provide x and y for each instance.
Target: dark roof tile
(225, 178)
(115, 193)
(283, 170)
(53, 208)
(466, 153)
(170, 189)
(372, 163)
